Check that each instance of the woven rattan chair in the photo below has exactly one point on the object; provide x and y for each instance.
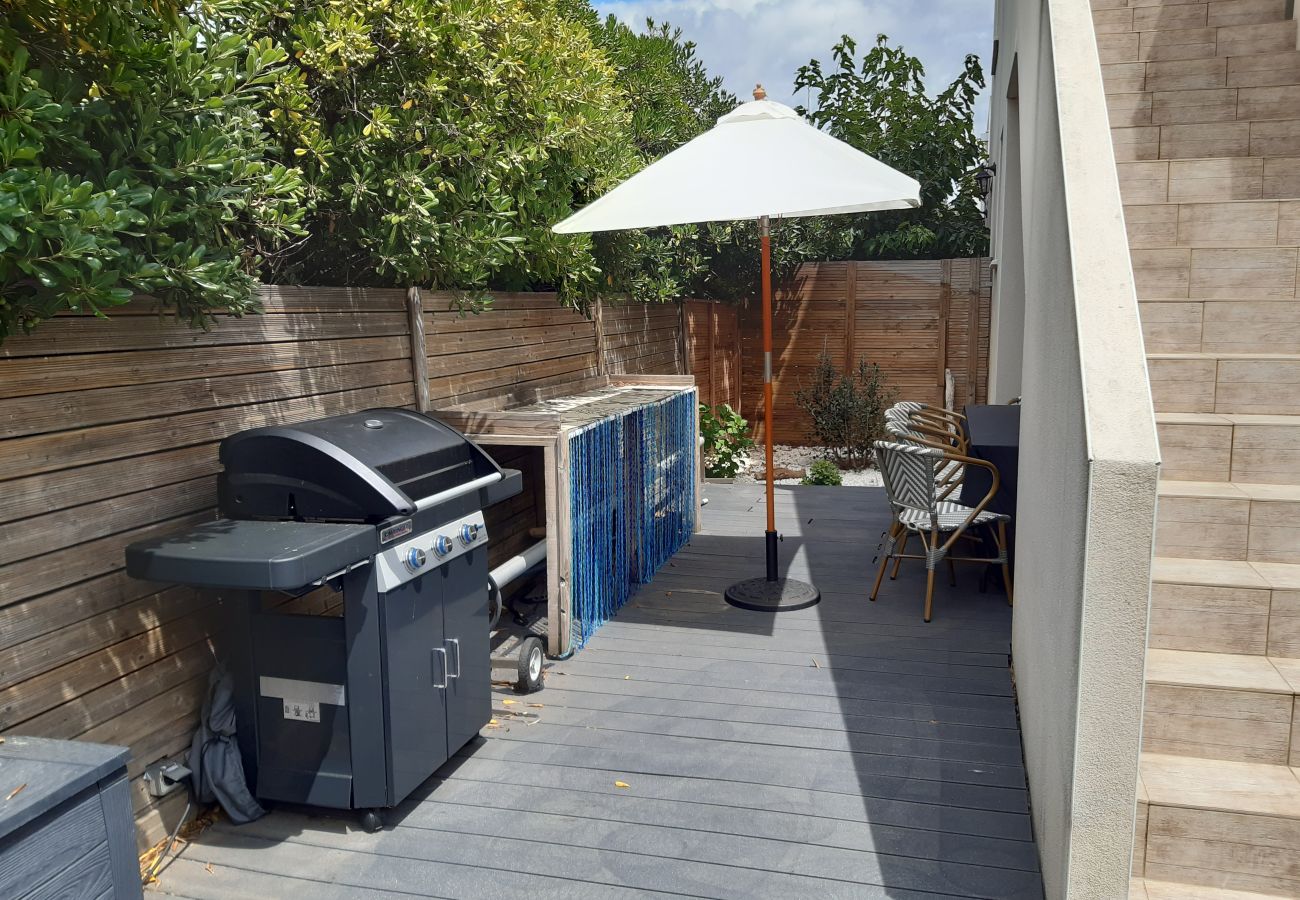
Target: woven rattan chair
(949, 477)
(909, 472)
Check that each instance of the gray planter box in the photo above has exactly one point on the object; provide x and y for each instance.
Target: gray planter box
(68, 832)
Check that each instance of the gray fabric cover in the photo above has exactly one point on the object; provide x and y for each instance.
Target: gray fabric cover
(214, 755)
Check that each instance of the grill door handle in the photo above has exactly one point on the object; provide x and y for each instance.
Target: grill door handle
(453, 657)
(440, 667)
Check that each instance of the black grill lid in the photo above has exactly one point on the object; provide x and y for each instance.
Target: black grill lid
(361, 467)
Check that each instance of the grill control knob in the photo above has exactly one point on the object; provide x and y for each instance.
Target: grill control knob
(469, 533)
(442, 545)
(415, 559)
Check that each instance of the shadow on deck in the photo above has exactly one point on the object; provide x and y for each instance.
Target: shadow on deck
(847, 750)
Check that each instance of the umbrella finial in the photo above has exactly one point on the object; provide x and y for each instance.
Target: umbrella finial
(759, 93)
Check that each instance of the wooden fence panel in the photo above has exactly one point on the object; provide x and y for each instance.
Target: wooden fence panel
(917, 319)
(712, 333)
(109, 432)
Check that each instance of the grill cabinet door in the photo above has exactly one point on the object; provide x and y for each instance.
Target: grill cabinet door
(465, 622)
(416, 675)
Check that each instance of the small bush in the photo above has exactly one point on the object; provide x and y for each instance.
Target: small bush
(823, 472)
(847, 411)
(726, 440)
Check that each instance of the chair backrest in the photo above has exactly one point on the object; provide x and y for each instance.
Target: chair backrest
(908, 472)
(934, 429)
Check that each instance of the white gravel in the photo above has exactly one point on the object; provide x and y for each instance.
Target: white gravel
(786, 456)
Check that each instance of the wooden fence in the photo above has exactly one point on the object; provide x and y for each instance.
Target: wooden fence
(918, 319)
(108, 434)
(713, 351)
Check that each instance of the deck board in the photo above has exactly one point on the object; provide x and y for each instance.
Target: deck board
(847, 750)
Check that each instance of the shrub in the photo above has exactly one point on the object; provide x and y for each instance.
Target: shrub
(823, 472)
(726, 440)
(133, 160)
(847, 411)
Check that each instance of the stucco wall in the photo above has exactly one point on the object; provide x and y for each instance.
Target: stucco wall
(1089, 456)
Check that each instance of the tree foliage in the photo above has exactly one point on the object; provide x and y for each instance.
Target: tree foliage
(440, 139)
(879, 105)
(187, 150)
(133, 160)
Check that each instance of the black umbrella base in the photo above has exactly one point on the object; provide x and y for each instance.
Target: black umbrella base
(782, 595)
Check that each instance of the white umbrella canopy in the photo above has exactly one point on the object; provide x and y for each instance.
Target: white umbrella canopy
(761, 159)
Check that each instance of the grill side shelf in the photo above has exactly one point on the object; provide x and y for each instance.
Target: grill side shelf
(251, 555)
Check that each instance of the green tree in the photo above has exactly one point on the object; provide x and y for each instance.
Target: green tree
(133, 160)
(442, 138)
(879, 105)
(671, 98)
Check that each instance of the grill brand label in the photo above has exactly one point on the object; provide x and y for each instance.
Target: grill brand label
(302, 710)
(393, 532)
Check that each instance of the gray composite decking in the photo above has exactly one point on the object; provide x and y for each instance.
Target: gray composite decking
(847, 750)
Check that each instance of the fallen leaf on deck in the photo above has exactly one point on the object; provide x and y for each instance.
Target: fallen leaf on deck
(208, 868)
(509, 702)
(627, 677)
(16, 791)
(492, 723)
(621, 784)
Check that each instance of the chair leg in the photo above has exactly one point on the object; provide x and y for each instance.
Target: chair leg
(929, 570)
(1006, 566)
(902, 548)
(952, 573)
(884, 563)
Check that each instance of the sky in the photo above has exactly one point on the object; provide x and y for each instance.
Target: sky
(749, 41)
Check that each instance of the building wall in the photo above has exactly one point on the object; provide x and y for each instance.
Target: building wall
(1089, 458)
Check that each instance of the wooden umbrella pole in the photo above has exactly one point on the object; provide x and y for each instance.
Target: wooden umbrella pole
(764, 230)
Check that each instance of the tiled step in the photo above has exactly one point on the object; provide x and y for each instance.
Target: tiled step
(1230, 825)
(1212, 606)
(1256, 69)
(1142, 889)
(1212, 273)
(1181, 34)
(1257, 450)
(1235, 707)
(1247, 383)
(1135, 136)
(1236, 522)
(1126, 16)
(1187, 184)
(1220, 12)
(1206, 106)
(1237, 223)
(1194, 325)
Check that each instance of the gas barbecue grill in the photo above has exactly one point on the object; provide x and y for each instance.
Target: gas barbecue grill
(349, 712)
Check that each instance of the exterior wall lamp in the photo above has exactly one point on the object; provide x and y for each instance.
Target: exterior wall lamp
(984, 179)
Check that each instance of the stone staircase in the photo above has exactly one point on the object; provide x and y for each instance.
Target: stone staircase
(1204, 101)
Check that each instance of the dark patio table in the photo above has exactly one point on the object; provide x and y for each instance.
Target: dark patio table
(994, 434)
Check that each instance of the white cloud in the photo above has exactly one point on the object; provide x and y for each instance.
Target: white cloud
(749, 41)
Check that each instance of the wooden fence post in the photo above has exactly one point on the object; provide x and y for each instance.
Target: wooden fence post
(850, 314)
(973, 332)
(419, 359)
(598, 316)
(945, 313)
(683, 348)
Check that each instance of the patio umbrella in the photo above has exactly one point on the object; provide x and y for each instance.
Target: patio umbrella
(760, 160)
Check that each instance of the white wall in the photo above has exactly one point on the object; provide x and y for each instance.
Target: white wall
(1089, 458)
(1007, 322)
